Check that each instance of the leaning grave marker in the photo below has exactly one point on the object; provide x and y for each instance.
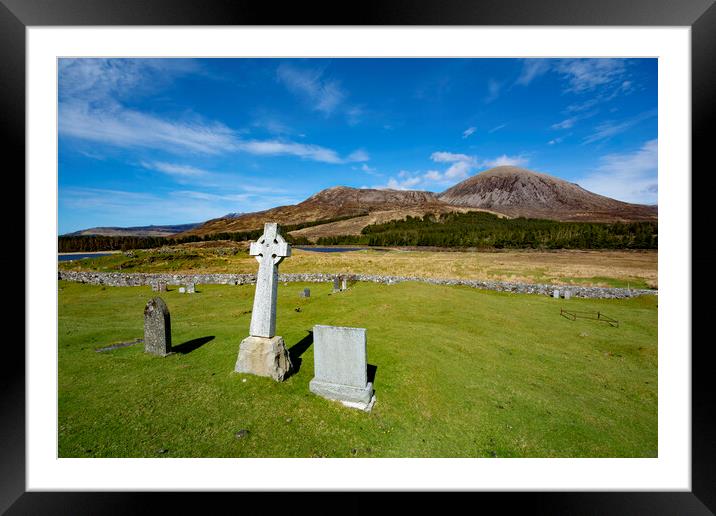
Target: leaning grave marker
(263, 353)
(157, 328)
(341, 366)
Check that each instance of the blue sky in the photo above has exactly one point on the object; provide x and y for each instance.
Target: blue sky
(162, 141)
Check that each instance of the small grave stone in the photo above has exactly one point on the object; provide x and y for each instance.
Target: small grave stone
(567, 294)
(157, 328)
(191, 288)
(306, 292)
(341, 366)
(555, 294)
(344, 284)
(182, 290)
(336, 285)
(159, 286)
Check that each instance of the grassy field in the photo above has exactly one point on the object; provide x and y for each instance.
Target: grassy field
(635, 269)
(459, 373)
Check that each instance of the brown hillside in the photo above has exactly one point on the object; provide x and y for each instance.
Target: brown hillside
(522, 193)
(331, 203)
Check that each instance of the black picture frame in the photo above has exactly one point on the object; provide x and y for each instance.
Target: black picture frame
(17, 15)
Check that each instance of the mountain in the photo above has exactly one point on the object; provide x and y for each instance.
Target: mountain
(155, 231)
(505, 191)
(518, 192)
(332, 203)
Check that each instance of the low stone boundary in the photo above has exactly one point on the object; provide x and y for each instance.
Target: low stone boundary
(126, 279)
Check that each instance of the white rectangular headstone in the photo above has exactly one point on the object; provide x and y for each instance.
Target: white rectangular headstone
(567, 294)
(182, 290)
(344, 284)
(555, 294)
(341, 365)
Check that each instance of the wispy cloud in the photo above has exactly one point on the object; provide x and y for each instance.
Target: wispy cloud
(497, 128)
(468, 132)
(565, 124)
(586, 74)
(96, 114)
(628, 176)
(493, 91)
(531, 69)
(610, 128)
(321, 93)
(126, 208)
(172, 169)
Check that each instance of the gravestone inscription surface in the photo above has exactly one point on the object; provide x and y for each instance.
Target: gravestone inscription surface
(306, 292)
(555, 294)
(341, 366)
(157, 328)
(191, 288)
(336, 284)
(264, 353)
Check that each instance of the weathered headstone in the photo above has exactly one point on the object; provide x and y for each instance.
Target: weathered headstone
(341, 366)
(159, 286)
(182, 290)
(567, 294)
(191, 288)
(555, 294)
(336, 284)
(306, 292)
(344, 283)
(157, 328)
(264, 353)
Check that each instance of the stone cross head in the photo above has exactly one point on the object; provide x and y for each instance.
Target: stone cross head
(271, 245)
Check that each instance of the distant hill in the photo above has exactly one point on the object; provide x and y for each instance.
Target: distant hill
(331, 204)
(518, 192)
(143, 231)
(505, 191)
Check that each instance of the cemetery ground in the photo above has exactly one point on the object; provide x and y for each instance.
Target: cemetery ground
(457, 372)
(619, 268)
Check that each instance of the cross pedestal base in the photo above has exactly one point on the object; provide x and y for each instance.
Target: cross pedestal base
(264, 356)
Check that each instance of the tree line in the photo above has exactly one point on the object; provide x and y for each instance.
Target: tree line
(485, 230)
(90, 243)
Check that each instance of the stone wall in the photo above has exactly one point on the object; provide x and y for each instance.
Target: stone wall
(122, 279)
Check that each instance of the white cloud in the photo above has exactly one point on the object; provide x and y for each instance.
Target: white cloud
(555, 141)
(174, 169)
(122, 127)
(630, 176)
(531, 69)
(504, 160)
(90, 110)
(469, 131)
(322, 94)
(496, 128)
(449, 157)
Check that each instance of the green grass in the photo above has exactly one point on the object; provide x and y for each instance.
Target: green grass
(460, 373)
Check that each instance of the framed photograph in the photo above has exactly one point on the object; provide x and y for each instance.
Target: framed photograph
(188, 125)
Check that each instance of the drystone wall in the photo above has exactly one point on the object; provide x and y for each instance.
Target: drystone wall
(121, 279)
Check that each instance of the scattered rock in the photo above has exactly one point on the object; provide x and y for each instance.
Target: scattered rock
(241, 434)
(354, 451)
(162, 451)
(584, 334)
(288, 420)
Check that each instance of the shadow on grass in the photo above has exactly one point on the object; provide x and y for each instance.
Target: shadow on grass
(298, 349)
(372, 369)
(191, 345)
